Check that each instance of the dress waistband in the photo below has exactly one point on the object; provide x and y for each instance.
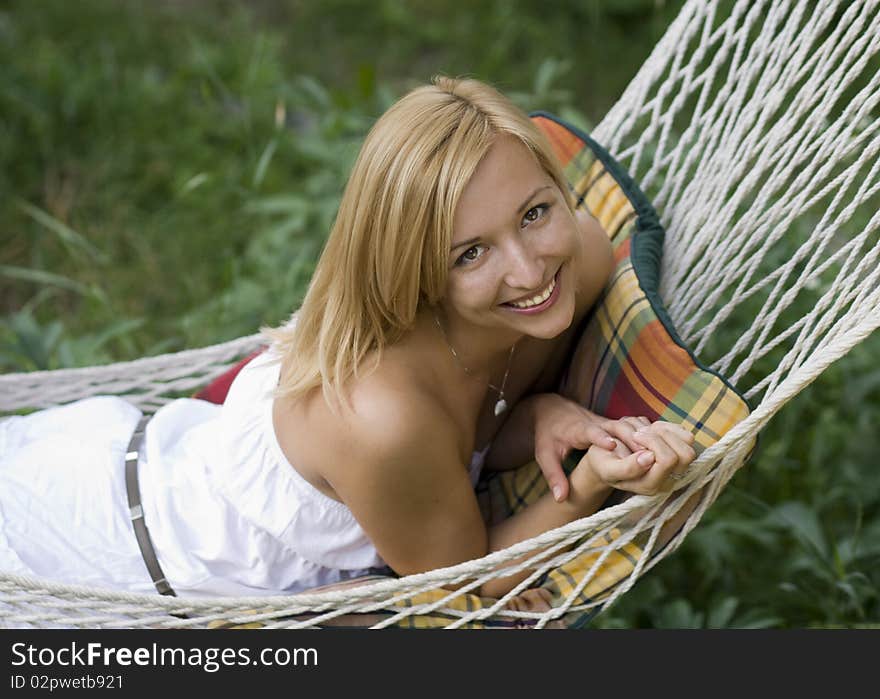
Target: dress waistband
(136, 511)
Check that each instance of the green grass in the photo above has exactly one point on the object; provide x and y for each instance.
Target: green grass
(169, 171)
(174, 166)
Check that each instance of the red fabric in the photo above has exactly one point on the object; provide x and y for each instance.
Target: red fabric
(215, 392)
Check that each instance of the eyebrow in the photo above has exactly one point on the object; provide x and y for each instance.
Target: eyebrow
(471, 241)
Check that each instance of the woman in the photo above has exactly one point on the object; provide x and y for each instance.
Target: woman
(435, 328)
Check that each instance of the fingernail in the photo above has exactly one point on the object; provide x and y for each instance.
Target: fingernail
(557, 493)
(646, 458)
(613, 443)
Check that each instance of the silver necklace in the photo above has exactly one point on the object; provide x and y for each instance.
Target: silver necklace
(500, 404)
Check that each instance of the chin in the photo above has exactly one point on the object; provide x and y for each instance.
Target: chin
(551, 330)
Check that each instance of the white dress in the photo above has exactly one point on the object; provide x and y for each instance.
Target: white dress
(227, 513)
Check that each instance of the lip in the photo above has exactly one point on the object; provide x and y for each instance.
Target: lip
(540, 308)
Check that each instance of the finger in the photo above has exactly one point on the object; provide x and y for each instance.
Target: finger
(665, 457)
(634, 421)
(677, 430)
(640, 486)
(593, 433)
(613, 469)
(622, 451)
(684, 451)
(653, 481)
(672, 464)
(624, 429)
(550, 464)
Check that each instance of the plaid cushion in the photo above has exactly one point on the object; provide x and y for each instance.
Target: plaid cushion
(628, 360)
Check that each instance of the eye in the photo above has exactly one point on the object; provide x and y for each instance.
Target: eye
(535, 213)
(471, 255)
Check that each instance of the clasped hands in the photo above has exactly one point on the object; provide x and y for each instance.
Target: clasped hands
(631, 454)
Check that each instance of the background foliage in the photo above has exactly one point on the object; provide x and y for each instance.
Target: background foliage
(168, 171)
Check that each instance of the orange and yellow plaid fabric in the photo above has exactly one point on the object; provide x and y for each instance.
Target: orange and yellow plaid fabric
(629, 359)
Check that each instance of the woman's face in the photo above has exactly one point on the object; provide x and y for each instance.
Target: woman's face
(513, 246)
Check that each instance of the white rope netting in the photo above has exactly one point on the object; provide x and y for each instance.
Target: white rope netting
(756, 135)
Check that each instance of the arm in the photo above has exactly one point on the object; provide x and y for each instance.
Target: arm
(535, 426)
(405, 482)
(396, 464)
(546, 426)
(662, 449)
(514, 445)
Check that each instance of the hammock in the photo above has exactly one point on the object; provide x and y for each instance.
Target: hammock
(755, 135)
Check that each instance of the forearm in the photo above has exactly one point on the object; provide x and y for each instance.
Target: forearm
(514, 445)
(587, 496)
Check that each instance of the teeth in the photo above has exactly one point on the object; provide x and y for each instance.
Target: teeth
(538, 299)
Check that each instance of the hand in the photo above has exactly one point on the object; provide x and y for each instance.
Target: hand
(562, 425)
(664, 451)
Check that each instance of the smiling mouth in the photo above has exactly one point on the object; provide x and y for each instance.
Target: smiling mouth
(536, 300)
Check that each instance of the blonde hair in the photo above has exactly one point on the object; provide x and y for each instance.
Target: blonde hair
(388, 249)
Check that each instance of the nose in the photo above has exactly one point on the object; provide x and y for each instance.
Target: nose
(525, 267)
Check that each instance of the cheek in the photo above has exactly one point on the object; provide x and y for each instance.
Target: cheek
(471, 291)
(572, 235)
(560, 237)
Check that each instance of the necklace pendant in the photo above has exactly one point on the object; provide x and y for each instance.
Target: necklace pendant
(500, 406)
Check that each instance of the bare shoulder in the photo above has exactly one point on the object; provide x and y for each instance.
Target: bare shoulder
(394, 427)
(393, 460)
(392, 409)
(384, 408)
